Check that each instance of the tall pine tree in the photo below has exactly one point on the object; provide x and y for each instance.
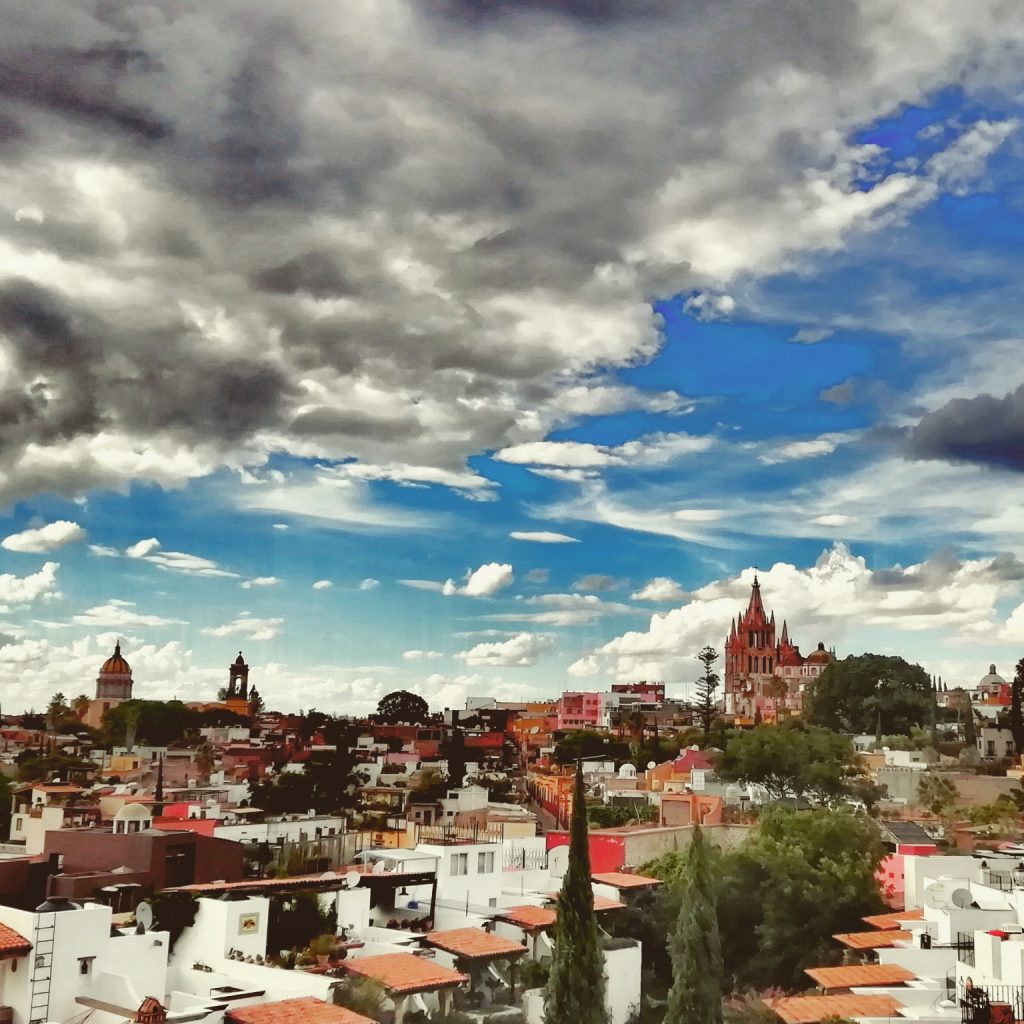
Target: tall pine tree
(575, 989)
(695, 947)
(704, 703)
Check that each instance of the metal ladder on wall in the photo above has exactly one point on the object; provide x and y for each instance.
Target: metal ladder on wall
(42, 969)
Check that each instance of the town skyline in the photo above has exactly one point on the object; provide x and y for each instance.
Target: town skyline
(487, 348)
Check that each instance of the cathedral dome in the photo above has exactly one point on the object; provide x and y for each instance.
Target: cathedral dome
(115, 665)
(819, 657)
(992, 678)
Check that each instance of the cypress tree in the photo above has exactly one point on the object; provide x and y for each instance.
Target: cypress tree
(575, 989)
(695, 946)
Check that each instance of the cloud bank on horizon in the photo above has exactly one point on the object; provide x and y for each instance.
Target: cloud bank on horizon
(497, 301)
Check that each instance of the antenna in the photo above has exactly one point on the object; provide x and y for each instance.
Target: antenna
(144, 916)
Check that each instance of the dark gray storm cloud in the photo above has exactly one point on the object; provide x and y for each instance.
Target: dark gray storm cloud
(397, 231)
(984, 430)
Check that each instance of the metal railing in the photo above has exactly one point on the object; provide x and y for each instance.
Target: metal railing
(990, 1004)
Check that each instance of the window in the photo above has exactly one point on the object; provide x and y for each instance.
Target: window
(460, 864)
(18, 824)
(485, 863)
(85, 965)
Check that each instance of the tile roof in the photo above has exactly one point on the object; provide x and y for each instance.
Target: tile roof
(305, 1010)
(12, 943)
(888, 921)
(625, 880)
(404, 973)
(600, 902)
(859, 975)
(529, 918)
(872, 940)
(812, 1009)
(474, 943)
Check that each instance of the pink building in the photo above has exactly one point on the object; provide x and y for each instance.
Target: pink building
(649, 693)
(578, 710)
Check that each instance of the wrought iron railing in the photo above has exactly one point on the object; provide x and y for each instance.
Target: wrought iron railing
(990, 1004)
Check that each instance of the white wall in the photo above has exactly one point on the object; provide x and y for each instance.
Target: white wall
(919, 871)
(217, 930)
(622, 983)
(478, 888)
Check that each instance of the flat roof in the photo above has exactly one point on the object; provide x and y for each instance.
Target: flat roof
(475, 944)
(405, 973)
(813, 1009)
(859, 975)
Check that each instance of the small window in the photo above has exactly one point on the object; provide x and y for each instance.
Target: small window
(460, 864)
(485, 863)
(85, 965)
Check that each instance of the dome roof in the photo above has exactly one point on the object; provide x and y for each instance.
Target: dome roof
(116, 665)
(820, 656)
(134, 812)
(992, 677)
(240, 661)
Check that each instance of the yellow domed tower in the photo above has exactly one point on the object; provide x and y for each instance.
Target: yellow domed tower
(237, 699)
(113, 685)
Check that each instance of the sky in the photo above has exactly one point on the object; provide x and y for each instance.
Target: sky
(490, 347)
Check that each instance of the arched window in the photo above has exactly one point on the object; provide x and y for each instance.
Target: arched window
(750, 667)
(771, 667)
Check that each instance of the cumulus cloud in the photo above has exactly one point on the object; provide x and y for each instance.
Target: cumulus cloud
(519, 651)
(248, 627)
(485, 581)
(596, 581)
(649, 450)
(369, 583)
(44, 538)
(825, 601)
(259, 581)
(661, 588)
(117, 614)
(543, 537)
(327, 584)
(416, 655)
(24, 590)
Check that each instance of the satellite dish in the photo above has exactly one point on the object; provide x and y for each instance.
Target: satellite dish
(352, 879)
(558, 861)
(327, 875)
(938, 895)
(651, 764)
(144, 915)
(962, 898)
(378, 867)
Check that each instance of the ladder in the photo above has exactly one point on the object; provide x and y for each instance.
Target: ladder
(42, 969)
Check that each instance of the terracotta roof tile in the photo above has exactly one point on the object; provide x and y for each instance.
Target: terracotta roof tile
(404, 973)
(474, 943)
(600, 902)
(812, 1009)
(859, 975)
(888, 921)
(529, 918)
(306, 1010)
(12, 943)
(625, 880)
(872, 940)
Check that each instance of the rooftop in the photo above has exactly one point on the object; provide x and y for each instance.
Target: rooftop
(474, 944)
(306, 1010)
(872, 940)
(889, 921)
(859, 975)
(529, 918)
(812, 1009)
(404, 973)
(12, 943)
(625, 880)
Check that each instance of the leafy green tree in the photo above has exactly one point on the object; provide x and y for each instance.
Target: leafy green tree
(936, 793)
(173, 912)
(403, 707)
(453, 750)
(1016, 714)
(610, 815)
(49, 767)
(584, 744)
(206, 758)
(576, 984)
(707, 683)
(867, 692)
(967, 722)
(695, 948)
(157, 722)
(791, 760)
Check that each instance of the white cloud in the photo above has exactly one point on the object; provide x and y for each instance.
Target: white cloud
(811, 335)
(251, 628)
(102, 551)
(149, 550)
(661, 588)
(565, 610)
(280, 526)
(482, 582)
(421, 655)
(709, 306)
(259, 581)
(22, 590)
(835, 599)
(543, 537)
(811, 448)
(424, 585)
(519, 651)
(117, 614)
(324, 585)
(44, 538)
(649, 450)
(369, 583)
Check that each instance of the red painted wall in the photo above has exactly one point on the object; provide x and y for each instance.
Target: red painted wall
(607, 853)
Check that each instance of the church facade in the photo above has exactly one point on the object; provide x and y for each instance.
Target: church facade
(113, 685)
(766, 678)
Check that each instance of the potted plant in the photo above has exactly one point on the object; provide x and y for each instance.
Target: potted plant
(321, 947)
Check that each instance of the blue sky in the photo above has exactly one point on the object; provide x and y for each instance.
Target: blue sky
(391, 377)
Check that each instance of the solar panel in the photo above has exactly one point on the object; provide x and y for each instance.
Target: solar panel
(907, 833)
